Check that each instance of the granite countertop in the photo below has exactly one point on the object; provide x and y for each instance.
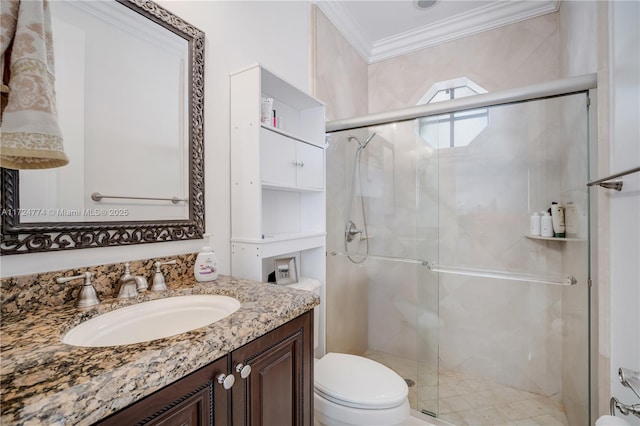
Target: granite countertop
(44, 381)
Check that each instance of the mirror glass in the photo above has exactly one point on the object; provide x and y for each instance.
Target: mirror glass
(121, 88)
(129, 96)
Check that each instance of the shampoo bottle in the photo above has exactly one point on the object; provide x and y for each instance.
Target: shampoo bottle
(206, 266)
(571, 220)
(557, 216)
(535, 224)
(546, 225)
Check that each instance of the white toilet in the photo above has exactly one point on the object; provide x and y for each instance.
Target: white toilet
(353, 390)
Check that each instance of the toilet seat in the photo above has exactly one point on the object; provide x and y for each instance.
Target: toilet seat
(358, 382)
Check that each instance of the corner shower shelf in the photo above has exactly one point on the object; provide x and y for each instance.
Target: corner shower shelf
(537, 237)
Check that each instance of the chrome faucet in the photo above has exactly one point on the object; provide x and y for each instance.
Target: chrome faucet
(87, 296)
(129, 285)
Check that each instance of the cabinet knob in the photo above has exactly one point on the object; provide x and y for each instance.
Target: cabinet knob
(301, 163)
(244, 370)
(226, 380)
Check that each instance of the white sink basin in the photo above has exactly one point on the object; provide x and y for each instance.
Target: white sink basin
(155, 319)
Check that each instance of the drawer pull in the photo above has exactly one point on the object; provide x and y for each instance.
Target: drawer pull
(244, 370)
(226, 380)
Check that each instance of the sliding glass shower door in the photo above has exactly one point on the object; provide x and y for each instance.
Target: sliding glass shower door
(432, 269)
(513, 309)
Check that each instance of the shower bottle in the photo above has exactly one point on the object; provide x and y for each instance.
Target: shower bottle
(535, 225)
(546, 225)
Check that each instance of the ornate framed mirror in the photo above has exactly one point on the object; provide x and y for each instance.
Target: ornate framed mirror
(130, 83)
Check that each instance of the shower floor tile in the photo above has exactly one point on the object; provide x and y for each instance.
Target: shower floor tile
(465, 400)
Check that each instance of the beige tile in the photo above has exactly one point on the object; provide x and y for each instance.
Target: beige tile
(552, 420)
(526, 422)
(524, 409)
(454, 404)
(454, 418)
(483, 416)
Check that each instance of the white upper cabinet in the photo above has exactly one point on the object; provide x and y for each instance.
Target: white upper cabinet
(289, 163)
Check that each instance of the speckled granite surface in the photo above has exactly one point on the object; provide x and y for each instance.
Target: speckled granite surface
(44, 381)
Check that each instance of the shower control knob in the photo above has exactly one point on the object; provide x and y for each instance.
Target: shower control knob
(244, 370)
(226, 380)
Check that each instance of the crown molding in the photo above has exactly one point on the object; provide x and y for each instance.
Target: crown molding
(347, 25)
(462, 25)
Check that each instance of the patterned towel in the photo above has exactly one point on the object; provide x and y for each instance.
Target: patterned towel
(30, 135)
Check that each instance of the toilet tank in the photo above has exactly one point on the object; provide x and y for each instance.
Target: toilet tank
(310, 284)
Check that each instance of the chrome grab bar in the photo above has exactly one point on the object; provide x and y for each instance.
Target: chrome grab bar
(96, 196)
(377, 257)
(513, 276)
(615, 184)
(483, 273)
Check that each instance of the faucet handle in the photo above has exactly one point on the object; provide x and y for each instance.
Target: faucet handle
(88, 295)
(159, 283)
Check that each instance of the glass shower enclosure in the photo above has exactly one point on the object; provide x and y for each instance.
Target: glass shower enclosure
(432, 268)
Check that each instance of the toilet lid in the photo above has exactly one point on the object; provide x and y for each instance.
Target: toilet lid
(358, 382)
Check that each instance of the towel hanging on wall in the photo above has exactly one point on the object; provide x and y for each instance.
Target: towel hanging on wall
(30, 135)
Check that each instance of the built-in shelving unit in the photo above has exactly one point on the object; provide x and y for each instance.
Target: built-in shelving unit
(277, 178)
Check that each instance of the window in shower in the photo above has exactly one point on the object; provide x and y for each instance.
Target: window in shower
(456, 129)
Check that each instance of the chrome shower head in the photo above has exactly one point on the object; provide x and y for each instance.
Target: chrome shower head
(364, 145)
(361, 145)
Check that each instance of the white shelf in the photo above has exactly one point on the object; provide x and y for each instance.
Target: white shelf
(287, 134)
(291, 188)
(538, 237)
(280, 237)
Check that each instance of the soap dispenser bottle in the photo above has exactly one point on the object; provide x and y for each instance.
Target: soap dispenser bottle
(206, 266)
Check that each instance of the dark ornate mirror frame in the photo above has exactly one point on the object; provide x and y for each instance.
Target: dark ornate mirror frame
(20, 237)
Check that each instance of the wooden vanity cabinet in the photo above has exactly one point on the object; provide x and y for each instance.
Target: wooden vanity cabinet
(277, 392)
(279, 389)
(196, 399)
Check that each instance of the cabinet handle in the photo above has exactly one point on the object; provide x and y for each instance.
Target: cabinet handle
(226, 380)
(244, 370)
(298, 163)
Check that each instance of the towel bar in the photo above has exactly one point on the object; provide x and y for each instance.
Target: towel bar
(614, 184)
(96, 196)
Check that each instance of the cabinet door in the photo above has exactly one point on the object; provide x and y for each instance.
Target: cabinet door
(278, 164)
(310, 166)
(279, 390)
(185, 402)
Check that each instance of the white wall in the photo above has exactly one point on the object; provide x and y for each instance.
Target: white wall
(237, 34)
(625, 206)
